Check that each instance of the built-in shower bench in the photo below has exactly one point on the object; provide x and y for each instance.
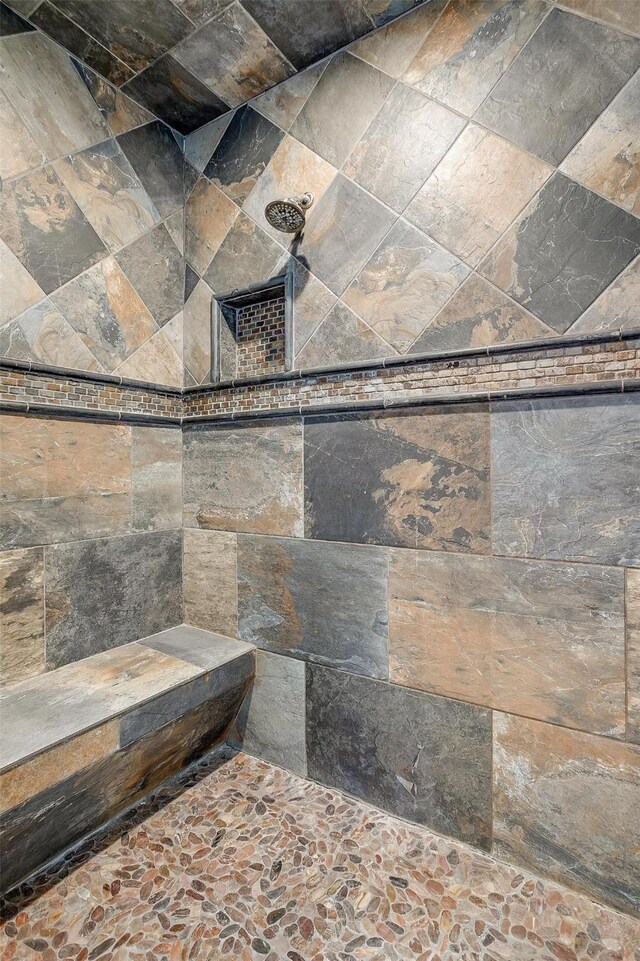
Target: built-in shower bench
(80, 744)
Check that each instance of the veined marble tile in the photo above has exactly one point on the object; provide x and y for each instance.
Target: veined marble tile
(392, 48)
(156, 362)
(469, 49)
(245, 149)
(566, 75)
(19, 289)
(120, 112)
(246, 255)
(63, 480)
(21, 615)
(409, 480)
(271, 722)
(42, 334)
(617, 307)
(607, 159)
(423, 758)
(46, 230)
(476, 316)
(156, 478)
(244, 479)
(633, 655)
(157, 159)
(109, 193)
(403, 144)
(320, 602)
(566, 805)
(209, 580)
(108, 314)
(198, 334)
(209, 215)
(528, 637)
(233, 56)
(404, 284)
(562, 251)
(155, 267)
(475, 193)
(42, 84)
(342, 337)
(564, 476)
(19, 151)
(341, 106)
(283, 103)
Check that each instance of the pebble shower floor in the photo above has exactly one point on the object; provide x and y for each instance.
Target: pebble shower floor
(241, 860)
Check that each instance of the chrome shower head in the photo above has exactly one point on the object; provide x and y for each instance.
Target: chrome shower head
(288, 215)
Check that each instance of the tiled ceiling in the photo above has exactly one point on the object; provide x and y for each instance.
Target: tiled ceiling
(189, 61)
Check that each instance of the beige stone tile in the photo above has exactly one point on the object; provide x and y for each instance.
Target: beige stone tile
(156, 478)
(209, 215)
(42, 334)
(19, 289)
(617, 307)
(21, 614)
(619, 13)
(209, 580)
(18, 150)
(197, 333)
(21, 783)
(156, 362)
(393, 47)
(633, 655)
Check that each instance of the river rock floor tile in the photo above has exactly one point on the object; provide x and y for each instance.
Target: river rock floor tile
(236, 859)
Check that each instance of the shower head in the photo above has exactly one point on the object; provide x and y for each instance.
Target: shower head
(288, 215)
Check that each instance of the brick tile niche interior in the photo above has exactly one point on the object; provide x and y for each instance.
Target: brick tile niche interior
(307, 666)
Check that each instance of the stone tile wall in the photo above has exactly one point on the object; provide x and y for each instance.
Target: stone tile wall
(442, 600)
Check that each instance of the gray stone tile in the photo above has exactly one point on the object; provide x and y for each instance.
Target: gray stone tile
(568, 73)
(200, 145)
(476, 316)
(103, 593)
(233, 56)
(243, 152)
(306, 32)
(209, 215)
(392, 48)
(271, 722)
(342, 232)
(156, 158)
(410, 480)
(155, 268)
(205, 649)
(617, 307)
(21, 614)
(136, 32)
(247, 255)
(283, 103)
(382, 11)
(19, 152)
(44, 227)
(403, 144)
(632, 598)
(244, 479)
(120, 112)
(404, 285)
(199, 11)
(312, 301)
(156, 362)
(618, 13)
(340, 339)
(469, 49)
(11, 23)
(565, 479)
(320, 602)
(20, 291)
(175, 95)
(198, 334)
(423, 758)
(562, 251)
(106, 312)
(156, 478)
(341, 106)
(42, 334)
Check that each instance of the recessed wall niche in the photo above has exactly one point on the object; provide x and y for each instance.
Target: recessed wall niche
(252, 330)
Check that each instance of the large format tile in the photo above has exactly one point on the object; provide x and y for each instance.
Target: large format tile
(19, 289)
(109, 591)
(247, 255)
(156, 362)
(564, 78)
(202, 648)
(197, 336)
(19, 151)
(476, 316)
(175, 95)
(618, 13)
(63, 480)
(423, 758)
(120, 112)
(413, 480)
(46, 230)
(392, 48)
(11, 23)
(155, 267)
(566, 805)
(404, 285)
(565, 479)
(633, 655)
(209, 215)
(562, 251)
(407, 138)
(320, 602)
(470, 48)
(341, 106)
(42, 334)
(200, 145)
(342, 232)
(245, 479)
(137, 33)
(106, 312)
(617, 307)
(156, 478)
(528, 637)
(233, 56)
(244, 151)
(476, 192)
(607, 159)
(312, 301)
(42, 84)
(341, 338)
(270, 723)
(109, 193)
(157, 159)
(21, 614)
(209, 580)
(283, 103)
